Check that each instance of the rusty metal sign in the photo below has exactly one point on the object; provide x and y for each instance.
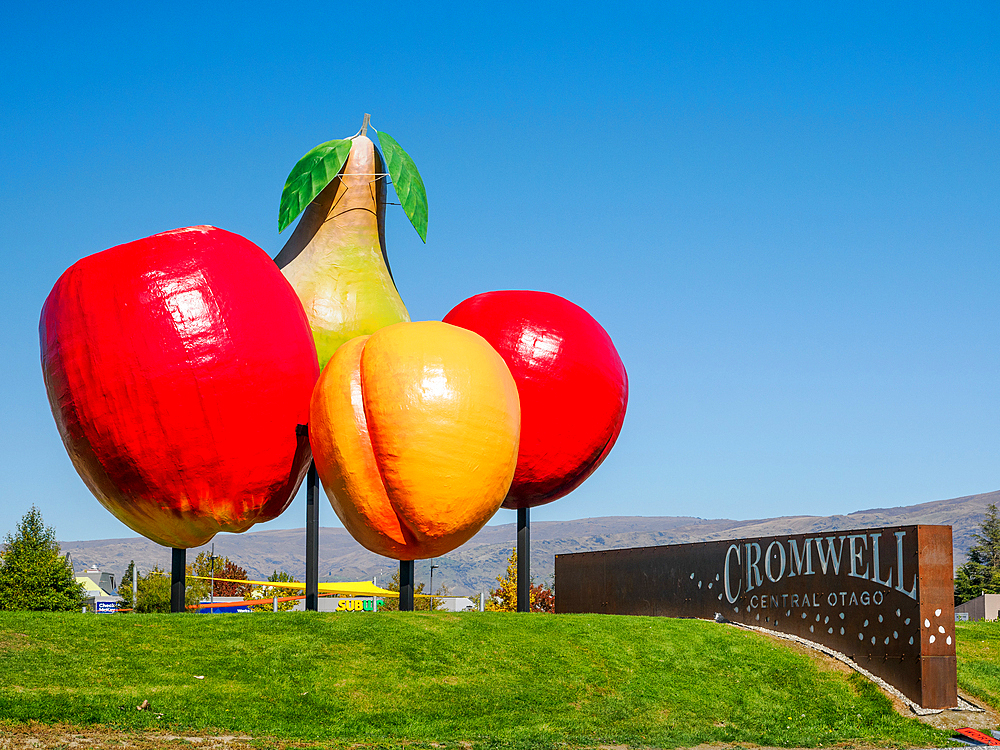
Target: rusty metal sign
(884, 597)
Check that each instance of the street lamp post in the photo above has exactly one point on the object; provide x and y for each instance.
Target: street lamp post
(211, 595)
(432, 583)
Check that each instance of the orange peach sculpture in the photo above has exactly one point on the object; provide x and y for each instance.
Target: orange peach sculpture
(414, 430)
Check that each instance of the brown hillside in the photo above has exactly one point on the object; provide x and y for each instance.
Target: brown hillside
(474, 566)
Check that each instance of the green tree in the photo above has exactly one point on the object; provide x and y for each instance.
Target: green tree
(269, 592)
(154, 587)
(420, 603)
(125, 588)
(981, 572)
(219, 567)
(198, 589)
(154, 592)
(33, 575)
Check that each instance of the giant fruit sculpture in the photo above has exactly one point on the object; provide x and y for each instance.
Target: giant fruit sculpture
(336, 257)
(571, 381)
(178, 367)
(414, 431)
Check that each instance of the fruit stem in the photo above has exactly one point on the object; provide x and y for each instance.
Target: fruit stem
(364, 126)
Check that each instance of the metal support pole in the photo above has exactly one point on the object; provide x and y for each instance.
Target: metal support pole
(312, 539)
(432, 584)
(523, 561)
(178, 572)
(406, 585)
(211, 584)
(135, 587)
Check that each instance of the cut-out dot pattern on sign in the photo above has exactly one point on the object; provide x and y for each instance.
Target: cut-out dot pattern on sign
(812, 628)
(911, 640)
(941, 629)
(699, 584)
(841, 615)
(788, 613)
(895, 635)
(866, 623)
(880, 618)
(927, 623)
(830, 631)
(937, 612)
(804, 615)
(933, 639)
(897, 614)
(906, 621)
(692, 576)
(841, 631)
(873, 640)
(948, 640)
(887, 640)
(861, 636)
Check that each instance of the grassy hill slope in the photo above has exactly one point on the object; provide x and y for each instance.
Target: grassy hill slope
(528, 680)
(978, 646)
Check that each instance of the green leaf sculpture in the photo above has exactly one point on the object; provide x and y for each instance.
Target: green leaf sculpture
(336, 258)
(310, 175)
(406, 180)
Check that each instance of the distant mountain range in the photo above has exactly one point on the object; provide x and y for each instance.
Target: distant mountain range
(474, 566)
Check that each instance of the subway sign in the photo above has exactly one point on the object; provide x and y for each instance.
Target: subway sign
(363, 604)
(884, 597)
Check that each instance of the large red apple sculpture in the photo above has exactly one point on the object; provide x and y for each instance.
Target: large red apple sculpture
(570, 380)
(177, 368)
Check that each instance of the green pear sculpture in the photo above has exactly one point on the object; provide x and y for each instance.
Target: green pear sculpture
(336, 258)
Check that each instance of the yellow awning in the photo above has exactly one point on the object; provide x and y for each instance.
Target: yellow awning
(347, 588)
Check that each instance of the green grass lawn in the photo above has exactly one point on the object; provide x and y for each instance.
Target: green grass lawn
(490, 678)
(978, 647)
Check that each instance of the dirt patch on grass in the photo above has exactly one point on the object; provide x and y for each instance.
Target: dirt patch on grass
(13, 642)
(447, 680)
(984, 722)
(36, 736)
(68, 737)
(64, 736)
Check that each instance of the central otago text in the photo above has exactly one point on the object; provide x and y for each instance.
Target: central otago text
(748, 564)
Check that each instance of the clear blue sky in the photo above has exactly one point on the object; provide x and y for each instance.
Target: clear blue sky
(786, 216)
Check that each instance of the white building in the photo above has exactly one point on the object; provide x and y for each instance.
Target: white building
(99, 591)
(985, 607)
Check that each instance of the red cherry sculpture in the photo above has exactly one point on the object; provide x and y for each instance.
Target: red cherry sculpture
(177, 368)
(571, 382)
